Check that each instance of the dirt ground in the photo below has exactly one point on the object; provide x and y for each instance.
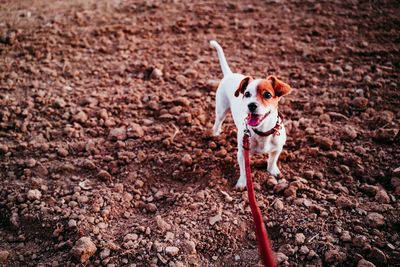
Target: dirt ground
(106, 156)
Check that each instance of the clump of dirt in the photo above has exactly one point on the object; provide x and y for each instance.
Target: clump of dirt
(105, 151)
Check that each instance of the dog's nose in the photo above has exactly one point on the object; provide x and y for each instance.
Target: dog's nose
(252, 107)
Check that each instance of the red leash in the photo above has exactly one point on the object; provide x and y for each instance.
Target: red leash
(264, 244)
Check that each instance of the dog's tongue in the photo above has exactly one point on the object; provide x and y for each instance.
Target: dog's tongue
(252, 119)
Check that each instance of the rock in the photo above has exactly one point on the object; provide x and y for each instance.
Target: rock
(365, 263)
(360, 241)
(348, 133)
(191, 73)
(189, 247)
(130, 237)
(396, 172)
(60, 103)
(187, 160)
(337, 70)
(290, 191)
(62, 152)
(104, 175)
(323, 142)
(359, 102)
(171, 251)
(280, 187)
(370, 190)
(30, 163)
(344, 202)
(212, 85)
(185, 119)
(345, 237)
(84, 248)
(378, 257)
(382, 197)
(299, 239)
(135, 131)
(304, 250)
(386, 135)
(215, 219)
(182, 101)
(280, 257)
(374, 220)
(278, 205)
(104, 253)
(287, 249)
(156, 74)
(151, 207)
(117, 134)
(4, 256)
(34, 194)
(334, 256)
(72, 223)
(162, 225)
(80, 117)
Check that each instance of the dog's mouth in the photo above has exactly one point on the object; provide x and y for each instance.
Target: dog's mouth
(254, 120)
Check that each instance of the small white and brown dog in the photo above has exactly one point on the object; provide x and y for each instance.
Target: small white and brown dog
(254, 106)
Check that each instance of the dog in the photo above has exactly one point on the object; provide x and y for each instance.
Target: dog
(254, 107)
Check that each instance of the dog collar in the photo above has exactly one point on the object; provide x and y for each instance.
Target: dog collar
(274, 131)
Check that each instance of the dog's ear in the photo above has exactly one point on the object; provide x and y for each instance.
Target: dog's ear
(243, 85)
(280, 87)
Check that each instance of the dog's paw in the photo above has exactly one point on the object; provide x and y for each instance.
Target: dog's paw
(241, 184)
(274, 172)
(216, 132)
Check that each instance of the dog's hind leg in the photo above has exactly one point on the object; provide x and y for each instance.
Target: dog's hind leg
(221, 110)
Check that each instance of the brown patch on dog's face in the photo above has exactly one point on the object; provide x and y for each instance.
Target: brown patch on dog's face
(270, 90)
(243, 85)
(266, 94)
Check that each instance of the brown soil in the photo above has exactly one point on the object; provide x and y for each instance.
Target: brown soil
(105, 114)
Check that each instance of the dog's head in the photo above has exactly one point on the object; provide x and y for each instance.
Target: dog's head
(261, 97)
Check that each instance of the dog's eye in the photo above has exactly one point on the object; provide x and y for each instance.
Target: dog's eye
(247, 94)
(267, 95)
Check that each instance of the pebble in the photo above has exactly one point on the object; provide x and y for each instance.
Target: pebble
(348, 133)
(62, 152)
(117, 134)
(278, 205)
(344, 202)
(130, 237)
(30, 163)
(84, 248)
(156, 74)
(382, 197)
(151, 207)
(323, 142)
(34, 194)
(104, 175)
(304, 250)
(337, 70)
(162, 225)
(60, 103)
(386, 135)
(185, 118)
(370, 190)
(378, 257)
(365, 263)
(213, 220)
(280, 187)
(212, 85)
(72, 223)
(105, 253)
(81, 117)
(281, 257)
(374, 220)
(135, 131)
(4, 255)
(171, 251)
(187, 160)
(299, 239)
(191, 73)
(359, 102)
(182, 101)
(189, 247)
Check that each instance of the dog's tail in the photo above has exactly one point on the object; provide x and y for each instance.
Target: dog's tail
(222, 60)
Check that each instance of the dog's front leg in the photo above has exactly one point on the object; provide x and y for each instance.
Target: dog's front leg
(240, 157)
(272, 162)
